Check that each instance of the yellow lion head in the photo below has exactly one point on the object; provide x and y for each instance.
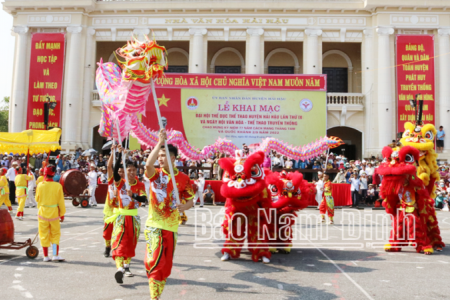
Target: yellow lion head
(420, 137)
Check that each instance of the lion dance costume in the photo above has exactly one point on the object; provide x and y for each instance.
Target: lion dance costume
(422, 138)
(408, 202)
(245, 191)
(289, 193)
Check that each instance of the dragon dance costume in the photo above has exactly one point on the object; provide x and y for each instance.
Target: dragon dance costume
(161, 228)
(108, 212)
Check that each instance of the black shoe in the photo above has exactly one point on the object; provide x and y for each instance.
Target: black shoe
(107, 251)
(128, 272)
(119, 276)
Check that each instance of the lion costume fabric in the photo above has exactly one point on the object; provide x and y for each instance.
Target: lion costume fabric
(408, 201)
(245, 191)
(290, 194)
(422, 137)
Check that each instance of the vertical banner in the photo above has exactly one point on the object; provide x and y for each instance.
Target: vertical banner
(46, 78)
(415, 75)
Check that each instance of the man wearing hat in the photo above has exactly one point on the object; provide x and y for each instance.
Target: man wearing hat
(21, 183)
(92, 180)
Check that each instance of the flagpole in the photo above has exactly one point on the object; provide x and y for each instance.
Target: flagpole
(127, 184)
(161, 126)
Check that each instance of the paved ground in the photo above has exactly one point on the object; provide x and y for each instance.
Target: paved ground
(352, 266)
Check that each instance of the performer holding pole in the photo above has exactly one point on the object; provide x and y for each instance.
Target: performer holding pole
(51, 210)
(161, 229)
(127, 224)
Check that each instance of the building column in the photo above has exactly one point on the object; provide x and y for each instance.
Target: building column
(254, 63)
(367, 77)
(444, 79)
(312, 55)
(18, 107)
(73, 95)
(385, 93)
(197, 52)
(89, 78)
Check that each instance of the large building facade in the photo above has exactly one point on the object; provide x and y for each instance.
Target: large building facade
(351, 41)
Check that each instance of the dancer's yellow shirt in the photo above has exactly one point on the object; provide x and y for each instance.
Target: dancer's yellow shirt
(39, 180)
(22, 180)
(4, 184)
(50, 200)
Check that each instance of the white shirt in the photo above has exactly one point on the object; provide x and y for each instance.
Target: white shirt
(354, 184)
(200, 182)
(92, 178)
(11, 174)
(32, 182)
(369, 171)
(289, 164)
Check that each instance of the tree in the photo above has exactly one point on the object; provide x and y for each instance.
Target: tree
(4, 115)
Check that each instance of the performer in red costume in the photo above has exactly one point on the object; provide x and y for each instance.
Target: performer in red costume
(289, 195)
(327, 204)
(405, 199)
(110, 198)
(127, 224)
(245, 191)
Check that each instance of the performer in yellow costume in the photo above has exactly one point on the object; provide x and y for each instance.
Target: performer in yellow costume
(51, 210)
(21, 182)
(41, 177)
(4, 190)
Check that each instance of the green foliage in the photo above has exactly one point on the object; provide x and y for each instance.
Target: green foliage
(4, 115)
(6, 99)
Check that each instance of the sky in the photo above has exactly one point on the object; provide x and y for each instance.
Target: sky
(6, 52)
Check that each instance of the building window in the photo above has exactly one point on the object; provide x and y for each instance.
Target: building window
(337, 80)
(177, 69)
(227, 69)
(281, 70)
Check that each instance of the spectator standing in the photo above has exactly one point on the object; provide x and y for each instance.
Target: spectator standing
(38, 162)
(319, 189)
(355, 182)
(31, 202)
(92, 180)
(440, 139)
(200, 183)
(11, 175)
(363, 186)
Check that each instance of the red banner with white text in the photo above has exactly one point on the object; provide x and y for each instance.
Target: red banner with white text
(46, 78)
(415, 75)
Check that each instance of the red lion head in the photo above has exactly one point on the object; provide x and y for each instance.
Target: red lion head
(243, 179)
(288, 190)
(398, 170)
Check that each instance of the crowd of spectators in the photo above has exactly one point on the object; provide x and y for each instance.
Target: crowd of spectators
(360, 174)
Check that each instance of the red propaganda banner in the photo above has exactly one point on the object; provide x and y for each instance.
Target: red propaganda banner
(415, 75)
(242, 81)
(46, 78)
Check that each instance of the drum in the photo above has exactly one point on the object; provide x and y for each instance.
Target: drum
(73, 182)
(6, 227)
